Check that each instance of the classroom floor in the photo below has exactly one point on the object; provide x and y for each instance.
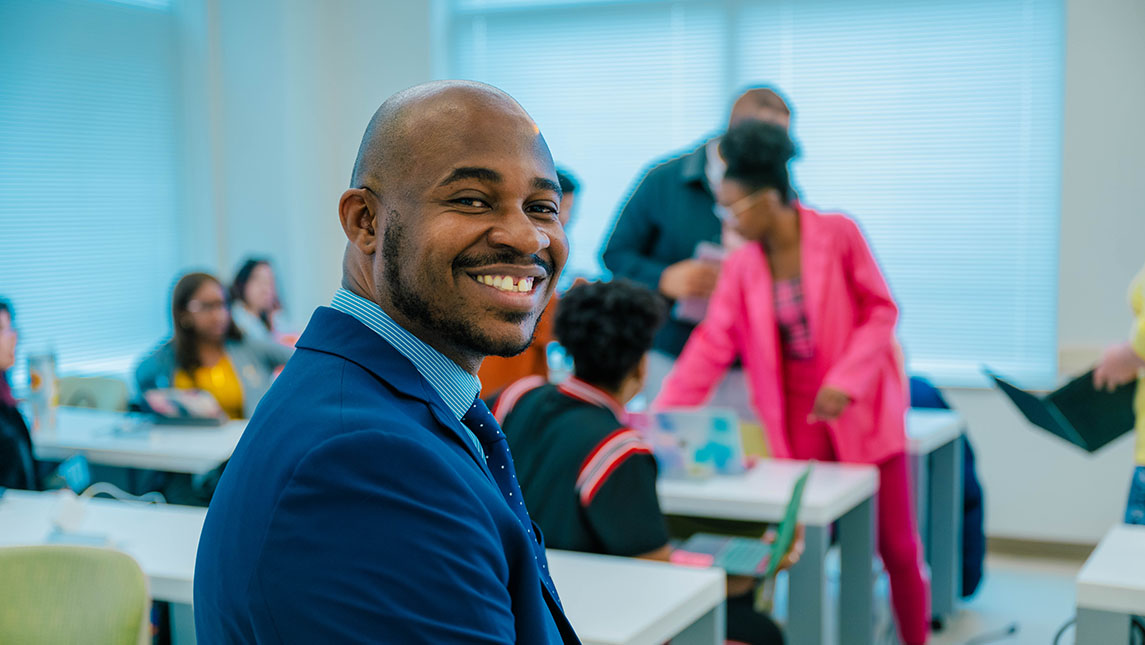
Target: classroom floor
(1035, 594)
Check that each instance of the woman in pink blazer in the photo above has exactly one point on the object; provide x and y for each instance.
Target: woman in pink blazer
(804, 306)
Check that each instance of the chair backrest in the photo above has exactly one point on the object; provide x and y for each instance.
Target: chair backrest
(72, 594)
(101, 393)
(923, 394)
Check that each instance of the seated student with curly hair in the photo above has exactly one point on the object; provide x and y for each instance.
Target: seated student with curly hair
(590, 482)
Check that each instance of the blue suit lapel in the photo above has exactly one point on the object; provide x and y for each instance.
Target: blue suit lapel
(333, 332)
(445, 417)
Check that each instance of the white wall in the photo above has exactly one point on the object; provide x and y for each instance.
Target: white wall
(283, 90)
(1037, 487)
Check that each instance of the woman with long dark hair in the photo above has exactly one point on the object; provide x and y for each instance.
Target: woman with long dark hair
(17, 464)
(254, 299)
(805, 307)
(208, 352)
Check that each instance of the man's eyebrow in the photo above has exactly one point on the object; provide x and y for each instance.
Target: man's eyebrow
(468, 172)
(540, 183)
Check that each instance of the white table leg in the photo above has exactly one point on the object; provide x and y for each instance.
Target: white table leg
(944, 552)
(709, 629)
(857, 578)
(1097, 626)
(807, 591)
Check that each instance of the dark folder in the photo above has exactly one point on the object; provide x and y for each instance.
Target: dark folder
(1077, 412)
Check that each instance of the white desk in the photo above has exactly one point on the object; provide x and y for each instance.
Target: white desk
(928, 430)
(624, 601)
(1111, 586)
(835, 492)
(130, 441)
(609, 600)
(934, 442)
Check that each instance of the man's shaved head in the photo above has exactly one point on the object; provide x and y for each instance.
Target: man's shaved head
(399, 126)
(453, 220)
(760, 104)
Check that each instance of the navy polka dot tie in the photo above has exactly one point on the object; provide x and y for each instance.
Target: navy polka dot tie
(485, 427)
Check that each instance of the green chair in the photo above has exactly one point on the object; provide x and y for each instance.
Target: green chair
(101, 393)
(72, 594)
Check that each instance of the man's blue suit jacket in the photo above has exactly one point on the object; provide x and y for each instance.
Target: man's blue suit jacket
(356, 510)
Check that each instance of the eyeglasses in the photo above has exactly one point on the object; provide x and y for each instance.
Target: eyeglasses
(198, 306)
(728, 213)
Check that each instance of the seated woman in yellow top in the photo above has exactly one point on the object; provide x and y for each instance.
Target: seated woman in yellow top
(1121, 364)
(208, 352)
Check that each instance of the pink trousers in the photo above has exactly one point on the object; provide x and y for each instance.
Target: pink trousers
(898, 540)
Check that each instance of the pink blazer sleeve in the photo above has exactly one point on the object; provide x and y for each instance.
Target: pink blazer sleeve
(711, 348)
(877, 315)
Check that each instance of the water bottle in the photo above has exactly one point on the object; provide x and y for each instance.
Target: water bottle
(43, 394)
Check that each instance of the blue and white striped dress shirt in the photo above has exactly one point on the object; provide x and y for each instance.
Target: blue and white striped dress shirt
(456, 387)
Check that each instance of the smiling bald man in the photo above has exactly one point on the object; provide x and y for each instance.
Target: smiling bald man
(372, 498)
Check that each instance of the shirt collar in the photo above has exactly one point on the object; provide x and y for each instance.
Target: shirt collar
(456, 387)
(582, 391)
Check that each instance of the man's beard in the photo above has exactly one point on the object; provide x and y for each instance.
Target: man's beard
(455, 328)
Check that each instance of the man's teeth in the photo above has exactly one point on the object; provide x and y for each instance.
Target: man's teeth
(507, 283)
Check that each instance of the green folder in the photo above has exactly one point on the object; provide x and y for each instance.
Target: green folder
(1077, 412)
(746, 556)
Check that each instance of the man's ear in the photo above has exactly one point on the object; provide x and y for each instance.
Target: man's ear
(357, 211)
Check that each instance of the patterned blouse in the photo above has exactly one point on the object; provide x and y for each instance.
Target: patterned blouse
(791, 316)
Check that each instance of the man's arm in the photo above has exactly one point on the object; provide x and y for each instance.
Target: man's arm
(627, 252)
(377, 539)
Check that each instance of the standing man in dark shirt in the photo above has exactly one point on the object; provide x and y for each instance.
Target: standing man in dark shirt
(588, 480)
(654, 241)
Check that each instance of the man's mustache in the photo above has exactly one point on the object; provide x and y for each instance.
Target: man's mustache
(508, 257)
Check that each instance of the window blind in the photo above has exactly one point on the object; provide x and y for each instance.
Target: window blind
(936, 124)
(88, 247)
